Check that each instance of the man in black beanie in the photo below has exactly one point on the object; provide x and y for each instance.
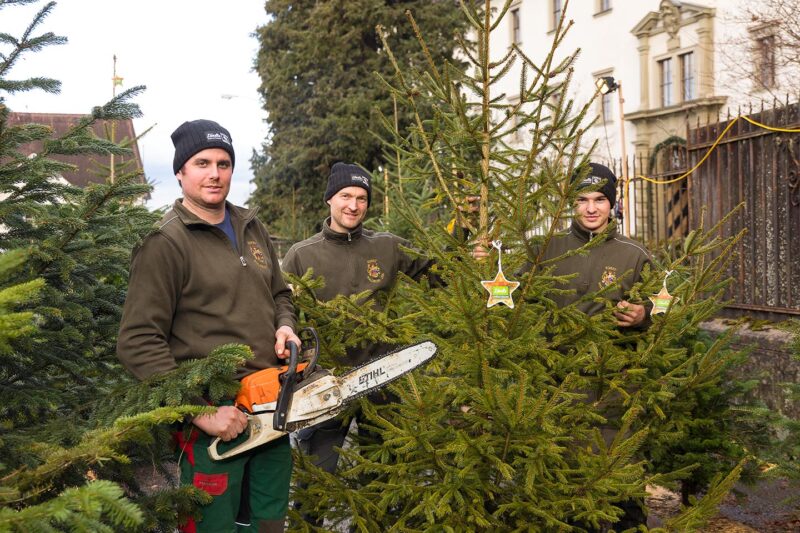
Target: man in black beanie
(352, 260)
(348, 194)
(616, 259)
(208, 275)
(599, 178)
(603, 264)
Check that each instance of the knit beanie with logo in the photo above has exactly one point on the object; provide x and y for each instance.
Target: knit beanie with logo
(600, 174)
(348, 175)
(197, 135)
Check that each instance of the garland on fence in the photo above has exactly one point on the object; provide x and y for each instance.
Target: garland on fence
(713, 146)
(674, 140)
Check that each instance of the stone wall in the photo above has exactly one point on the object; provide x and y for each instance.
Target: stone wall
(770, 361)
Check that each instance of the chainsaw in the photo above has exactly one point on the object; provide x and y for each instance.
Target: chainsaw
(280, 400)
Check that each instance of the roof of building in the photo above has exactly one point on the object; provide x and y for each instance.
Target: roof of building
(88, 166)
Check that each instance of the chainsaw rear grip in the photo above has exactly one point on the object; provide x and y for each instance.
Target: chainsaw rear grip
(259, 432)
(288, 380)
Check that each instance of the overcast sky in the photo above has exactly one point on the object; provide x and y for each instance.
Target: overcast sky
(195, 57)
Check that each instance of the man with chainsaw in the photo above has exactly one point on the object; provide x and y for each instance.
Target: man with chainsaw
(351, 259)
(206, 276)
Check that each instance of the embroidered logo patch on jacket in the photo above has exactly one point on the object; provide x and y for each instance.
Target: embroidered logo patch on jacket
(374, 272)
(609, 277)
(257, 254)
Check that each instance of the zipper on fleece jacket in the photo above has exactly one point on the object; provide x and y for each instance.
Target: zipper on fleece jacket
(236, 251)
(239, 233)
(240, 237)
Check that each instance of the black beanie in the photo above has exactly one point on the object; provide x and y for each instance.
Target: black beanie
(348, 175)
(197, 135)
(600, 174)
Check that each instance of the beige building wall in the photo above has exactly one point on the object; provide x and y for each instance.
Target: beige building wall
(633, 40)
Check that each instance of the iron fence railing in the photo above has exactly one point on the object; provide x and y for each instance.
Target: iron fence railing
(756, 167)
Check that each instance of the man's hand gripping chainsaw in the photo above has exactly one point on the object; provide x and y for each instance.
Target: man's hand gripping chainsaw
(280, 400)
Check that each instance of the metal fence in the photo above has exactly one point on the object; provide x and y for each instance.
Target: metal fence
(751, 165)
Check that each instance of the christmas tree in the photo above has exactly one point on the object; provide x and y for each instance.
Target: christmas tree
(777, 431)
(501, 432)
(67, 456)
(788, 445)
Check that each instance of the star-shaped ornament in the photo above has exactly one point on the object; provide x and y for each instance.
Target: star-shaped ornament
(500, 290)
(661, 301)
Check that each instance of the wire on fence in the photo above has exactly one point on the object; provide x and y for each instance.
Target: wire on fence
(714, 146)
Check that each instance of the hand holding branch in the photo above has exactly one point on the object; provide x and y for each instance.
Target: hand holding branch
(628, 314)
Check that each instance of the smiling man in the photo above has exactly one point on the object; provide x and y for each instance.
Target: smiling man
(612, 263)
(351, 259)
(617, 259)
(206, 276)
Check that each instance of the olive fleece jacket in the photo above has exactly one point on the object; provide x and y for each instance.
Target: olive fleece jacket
(617, 258)
(191, 292)
(354, 262)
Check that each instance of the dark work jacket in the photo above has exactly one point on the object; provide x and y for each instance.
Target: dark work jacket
(616, 258)
(191, 292)
(354, 262)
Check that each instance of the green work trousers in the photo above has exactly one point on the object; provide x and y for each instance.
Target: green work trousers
(250, 491)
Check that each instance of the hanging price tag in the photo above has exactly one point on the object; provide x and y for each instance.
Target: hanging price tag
(661, 301)
(500, 289)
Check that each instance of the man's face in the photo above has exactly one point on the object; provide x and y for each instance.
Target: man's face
(348, 209)
(206, 179)
(592, 210)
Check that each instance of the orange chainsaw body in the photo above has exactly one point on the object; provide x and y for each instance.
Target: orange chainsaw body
(262, 387)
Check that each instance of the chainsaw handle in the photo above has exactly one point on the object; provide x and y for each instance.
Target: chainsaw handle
(312, 365)
(259, 432)
(294, 356)
(287, 379)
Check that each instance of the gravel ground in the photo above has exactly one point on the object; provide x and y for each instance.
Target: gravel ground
(766, 507)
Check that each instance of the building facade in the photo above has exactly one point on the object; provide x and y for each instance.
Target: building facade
(676, 62)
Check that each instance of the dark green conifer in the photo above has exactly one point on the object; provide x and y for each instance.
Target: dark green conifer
(67, 457)
(317, 62)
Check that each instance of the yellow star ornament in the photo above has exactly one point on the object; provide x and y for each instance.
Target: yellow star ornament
(500, 290)
(661, 301)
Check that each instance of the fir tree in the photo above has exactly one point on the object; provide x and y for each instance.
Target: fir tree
(776, 433)
(705, 432)
(497, 434)
(67, 456)
(317, 62)
(75, 241)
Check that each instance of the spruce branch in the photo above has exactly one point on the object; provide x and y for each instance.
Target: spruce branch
(97, 447)
(33, 44)
(410, 96)
(698, 514)
(98, 506)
